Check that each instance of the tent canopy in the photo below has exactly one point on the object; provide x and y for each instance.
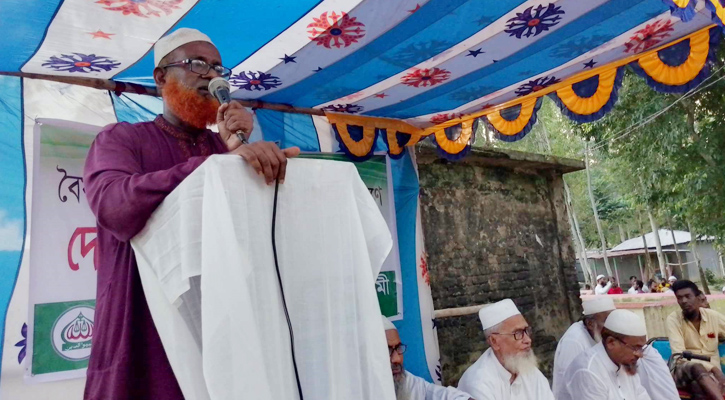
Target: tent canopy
(418, 66)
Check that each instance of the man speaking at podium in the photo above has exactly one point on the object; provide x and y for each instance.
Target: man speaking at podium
(129, 171)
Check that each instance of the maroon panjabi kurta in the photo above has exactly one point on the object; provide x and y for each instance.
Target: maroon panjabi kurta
(129, 171)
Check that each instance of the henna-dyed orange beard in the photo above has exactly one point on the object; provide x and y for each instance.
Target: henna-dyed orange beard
(189, 105)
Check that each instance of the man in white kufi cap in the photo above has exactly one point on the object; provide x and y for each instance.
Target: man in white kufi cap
(580, 337)
(129, 171)
(407, 385)
(508, 369)
(608, 371)
(603, 285)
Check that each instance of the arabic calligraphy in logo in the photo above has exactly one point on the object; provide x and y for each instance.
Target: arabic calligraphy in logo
(72, 333)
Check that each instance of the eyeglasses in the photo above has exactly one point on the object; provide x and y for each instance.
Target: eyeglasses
(400, 348)
(202, 68)
(635, 349)
(519, 334)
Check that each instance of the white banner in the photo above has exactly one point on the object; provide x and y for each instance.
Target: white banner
(62, 254)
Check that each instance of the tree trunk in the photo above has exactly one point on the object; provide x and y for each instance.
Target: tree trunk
(693, 246)
(641, 270)
(588, 278)
(579, 241)
(594, 209)
(674, 242)
(622, 236)
(647, 260)
(658, 245)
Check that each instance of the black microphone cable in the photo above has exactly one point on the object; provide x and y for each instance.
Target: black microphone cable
(281, 289)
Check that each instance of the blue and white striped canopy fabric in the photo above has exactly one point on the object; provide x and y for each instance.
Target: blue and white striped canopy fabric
(421, 61)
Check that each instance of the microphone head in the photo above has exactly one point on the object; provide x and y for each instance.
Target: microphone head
(219, 88)
(218, 83)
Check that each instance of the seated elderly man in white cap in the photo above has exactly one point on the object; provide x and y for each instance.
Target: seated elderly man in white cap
(407, 385)
(608, 371)
(580, 337)
(603, 285)
(508, 369)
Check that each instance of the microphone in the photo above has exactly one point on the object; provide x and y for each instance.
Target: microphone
(219, 88)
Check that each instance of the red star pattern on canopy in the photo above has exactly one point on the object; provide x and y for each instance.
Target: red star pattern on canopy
(100, 34)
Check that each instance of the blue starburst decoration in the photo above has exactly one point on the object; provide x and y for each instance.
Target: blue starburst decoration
(249, 80)
(533, 21)
(23, 343)
(535, 85)
(344, 108)
(77, 62)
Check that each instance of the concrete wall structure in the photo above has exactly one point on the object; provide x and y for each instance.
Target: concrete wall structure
(496, 227)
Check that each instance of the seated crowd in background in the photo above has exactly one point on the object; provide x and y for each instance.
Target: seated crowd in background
(604, 356)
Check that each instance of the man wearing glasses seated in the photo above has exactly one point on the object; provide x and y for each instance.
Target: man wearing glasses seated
(407, 385)
(608, 371)
(696, 329)
(508, 369)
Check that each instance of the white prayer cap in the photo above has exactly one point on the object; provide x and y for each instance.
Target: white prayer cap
(388, 325)
(626, 322)
(598, 304)
(180, 37)
(672, 278)
(600, 277)
(497, 312)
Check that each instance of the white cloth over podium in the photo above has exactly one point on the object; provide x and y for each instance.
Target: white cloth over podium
(206, 263)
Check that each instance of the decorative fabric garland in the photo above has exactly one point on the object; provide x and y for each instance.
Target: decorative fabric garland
(396, 134)
(590, 99)
(359, 149)
(718, 12)
(396, 142)
(683, 9)
(680, 67)
(454, 143)
(513, 123)
(675, 68)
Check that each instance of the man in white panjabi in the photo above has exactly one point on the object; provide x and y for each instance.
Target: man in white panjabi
(407, 385)
(655, 376)
(580, 337)
(508, 369)
(603, 285)
(608, 371)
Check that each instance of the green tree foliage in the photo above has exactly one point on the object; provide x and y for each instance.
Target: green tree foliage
(674, 164)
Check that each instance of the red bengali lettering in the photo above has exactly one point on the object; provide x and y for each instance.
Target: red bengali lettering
(86, 246)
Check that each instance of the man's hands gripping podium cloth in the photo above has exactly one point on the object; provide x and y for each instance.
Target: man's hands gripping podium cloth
(208, 272)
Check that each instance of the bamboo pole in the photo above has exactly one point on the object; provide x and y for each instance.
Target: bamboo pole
(674, 242)
(126, 87)
(594, 209)
(658, 244)
(456, 312)
(693, 245)
(647, 260)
